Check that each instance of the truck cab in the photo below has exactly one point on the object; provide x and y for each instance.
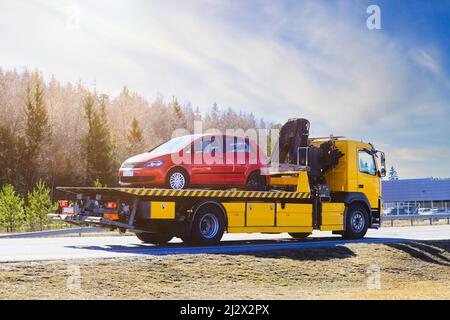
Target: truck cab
(357, 176)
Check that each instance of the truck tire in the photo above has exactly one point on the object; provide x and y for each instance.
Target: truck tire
(298, 235)
(356, 222)
(154, 238)
(207, 228)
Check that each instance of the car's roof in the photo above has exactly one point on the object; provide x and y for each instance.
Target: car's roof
(198, 135)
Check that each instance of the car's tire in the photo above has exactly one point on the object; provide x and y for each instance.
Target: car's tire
(207, 228)
(256, 182)
(300, 235)
(154, 238)
(356, 222)
(177, 179)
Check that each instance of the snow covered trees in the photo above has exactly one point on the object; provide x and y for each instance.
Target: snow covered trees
(68, 134)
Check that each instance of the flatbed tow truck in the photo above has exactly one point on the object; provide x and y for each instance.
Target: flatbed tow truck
(329, 184)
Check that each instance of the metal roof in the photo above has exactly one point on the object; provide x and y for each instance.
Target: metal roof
(427, 189)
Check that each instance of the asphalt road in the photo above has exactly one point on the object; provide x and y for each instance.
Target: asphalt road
(14, 250)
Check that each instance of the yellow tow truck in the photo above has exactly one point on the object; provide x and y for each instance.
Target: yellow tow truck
(329, 184)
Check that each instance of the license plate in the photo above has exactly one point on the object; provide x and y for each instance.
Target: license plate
(68, 210)
(128, 173)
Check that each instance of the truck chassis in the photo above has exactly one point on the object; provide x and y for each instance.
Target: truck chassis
(202, 216)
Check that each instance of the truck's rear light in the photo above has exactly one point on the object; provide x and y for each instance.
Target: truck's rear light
(112, 216)
(63, 203)
(110, 205)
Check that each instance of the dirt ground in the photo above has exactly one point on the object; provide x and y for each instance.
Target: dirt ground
(414, 270)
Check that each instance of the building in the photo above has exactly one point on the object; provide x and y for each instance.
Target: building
(409, 196)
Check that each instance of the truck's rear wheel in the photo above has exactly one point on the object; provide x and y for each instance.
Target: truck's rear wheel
(356, 222)
(207, 228)
(300, 235)
(154, 238)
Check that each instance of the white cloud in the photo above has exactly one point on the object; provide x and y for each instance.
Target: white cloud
(426, 60)
(310, 59)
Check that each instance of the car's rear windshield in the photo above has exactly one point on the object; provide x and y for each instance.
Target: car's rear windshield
(174, 145)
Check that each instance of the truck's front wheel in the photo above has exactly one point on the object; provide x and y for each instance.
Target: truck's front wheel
(356, 222)
(207, 228)
(154, 238)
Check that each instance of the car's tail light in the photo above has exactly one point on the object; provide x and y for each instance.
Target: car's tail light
(110, 205)
(63, 203)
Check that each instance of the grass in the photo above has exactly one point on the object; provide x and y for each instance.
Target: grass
(413, 270)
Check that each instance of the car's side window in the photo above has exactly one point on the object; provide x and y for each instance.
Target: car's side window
(238, 145)
(366, 163)
(211, 144)
(195, 147)
(230, 144)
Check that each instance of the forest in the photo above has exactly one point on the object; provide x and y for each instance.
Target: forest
(67, 134)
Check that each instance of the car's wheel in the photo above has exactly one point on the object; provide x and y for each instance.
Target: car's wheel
(207, 228)
(177, 179)
(256, 182)
(300, 235)
(356, 222)
(154, 238)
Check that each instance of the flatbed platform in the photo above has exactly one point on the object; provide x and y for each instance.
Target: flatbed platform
(188, 193)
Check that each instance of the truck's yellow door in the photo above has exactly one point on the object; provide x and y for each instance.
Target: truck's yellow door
(368, 180)
(260, 214)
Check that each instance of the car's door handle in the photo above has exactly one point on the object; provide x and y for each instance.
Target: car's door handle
(360, 186)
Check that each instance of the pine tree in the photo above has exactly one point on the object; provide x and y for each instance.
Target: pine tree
(176, 116)
(393, 175)
(12, 161)
(135, 138)
(125, 92)
(96, 143)
(39, 205)
(37, 129)
(11, 208)
(212, 119)
(7, 155)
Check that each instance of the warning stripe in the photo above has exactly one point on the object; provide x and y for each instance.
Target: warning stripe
(215, 193)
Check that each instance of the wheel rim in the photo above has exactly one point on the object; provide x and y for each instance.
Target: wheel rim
(358, 221)
(209, 226)
(177, 181)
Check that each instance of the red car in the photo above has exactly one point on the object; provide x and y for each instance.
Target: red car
(198, 160)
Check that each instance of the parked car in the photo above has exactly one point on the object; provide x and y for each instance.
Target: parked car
(198, 160)
(401, 210)
(430, 211)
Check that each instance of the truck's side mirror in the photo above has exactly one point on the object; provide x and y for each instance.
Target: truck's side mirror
(383, 165)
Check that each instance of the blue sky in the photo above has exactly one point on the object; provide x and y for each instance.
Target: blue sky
(277, 59)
